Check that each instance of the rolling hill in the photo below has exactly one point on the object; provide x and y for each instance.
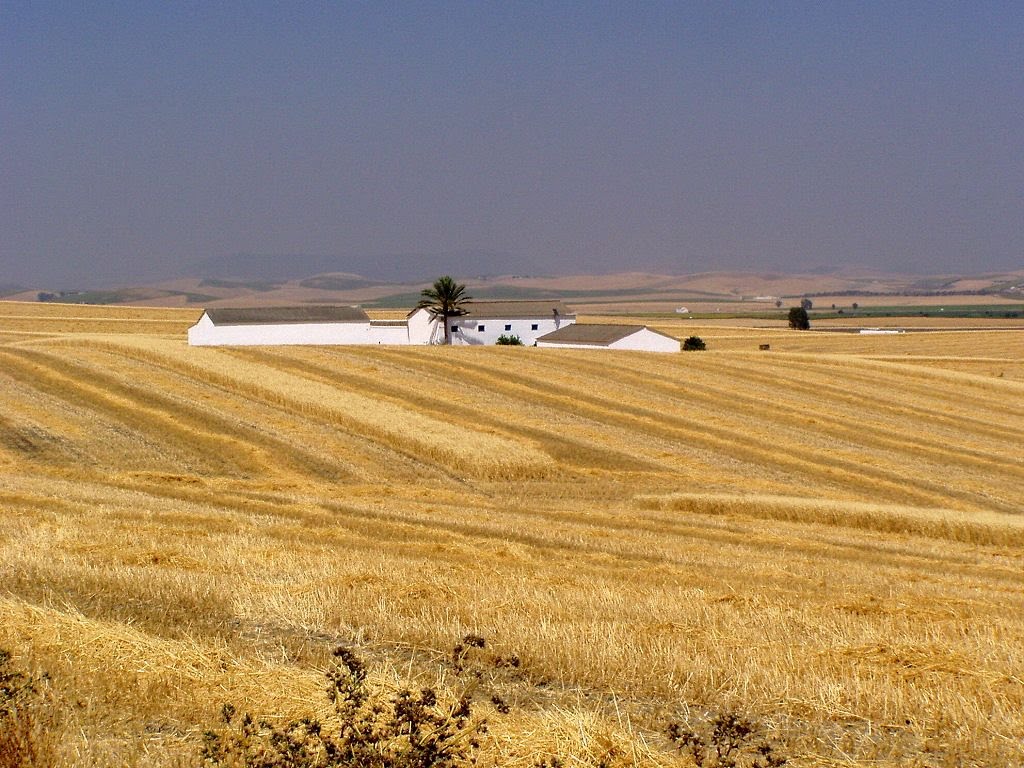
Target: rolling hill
(711, 291)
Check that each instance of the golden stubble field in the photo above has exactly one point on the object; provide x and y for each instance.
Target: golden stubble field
(825, 538)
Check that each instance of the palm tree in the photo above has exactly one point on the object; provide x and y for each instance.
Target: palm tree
(444, 299)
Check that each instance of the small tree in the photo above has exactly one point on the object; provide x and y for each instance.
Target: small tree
(509, 340)
(855, 305)
(444, 299)
(806, 303)
(778, 303)
(694, 343)
(798, 319)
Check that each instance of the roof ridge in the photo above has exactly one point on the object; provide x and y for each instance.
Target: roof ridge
(304, 313)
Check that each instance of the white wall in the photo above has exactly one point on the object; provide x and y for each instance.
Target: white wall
(642, 341)
(420, 329)
(205, 333)
(391, 333)
(469, 329)
(647, 340)
(424, 329)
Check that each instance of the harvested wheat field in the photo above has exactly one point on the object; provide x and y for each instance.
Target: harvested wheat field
(603, 549)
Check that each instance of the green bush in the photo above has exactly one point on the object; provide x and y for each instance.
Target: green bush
(510, 340)
(798, 319)
(694, 343)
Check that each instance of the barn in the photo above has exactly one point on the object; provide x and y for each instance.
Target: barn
(601, 336)
(485, 321)
(293, 325)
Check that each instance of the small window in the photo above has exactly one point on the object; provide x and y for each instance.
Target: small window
(534, 327)
(455, 329)
(481, 328)
(508, 326)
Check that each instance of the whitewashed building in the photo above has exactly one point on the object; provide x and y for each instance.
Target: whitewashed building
(230, 326)
(485, 321)
(600, 336)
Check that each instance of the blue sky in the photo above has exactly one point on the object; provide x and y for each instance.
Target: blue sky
(140, 138)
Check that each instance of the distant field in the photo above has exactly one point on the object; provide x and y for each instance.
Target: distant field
(825, 537)
(706, 292)
(701, 309)
(1001, 350)
(48, 318)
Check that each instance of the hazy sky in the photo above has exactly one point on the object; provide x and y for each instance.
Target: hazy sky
(139, 137)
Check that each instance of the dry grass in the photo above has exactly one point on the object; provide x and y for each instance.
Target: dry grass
(45, 318)
(828, 539)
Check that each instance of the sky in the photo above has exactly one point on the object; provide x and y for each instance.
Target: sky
(141, 139)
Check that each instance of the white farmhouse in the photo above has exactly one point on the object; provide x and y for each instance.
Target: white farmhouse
(485, 321)
(293, 325)
(600, 336)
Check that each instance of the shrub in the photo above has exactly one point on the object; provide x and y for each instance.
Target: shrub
(693, 343)
(412, 730)
(798, 319)
(728, 741)
(509, 340)
(23, 718)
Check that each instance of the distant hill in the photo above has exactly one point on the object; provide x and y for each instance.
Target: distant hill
(395, 268)
(631, 291)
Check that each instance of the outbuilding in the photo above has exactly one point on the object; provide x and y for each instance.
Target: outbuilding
(293, 325)
(601, 336)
